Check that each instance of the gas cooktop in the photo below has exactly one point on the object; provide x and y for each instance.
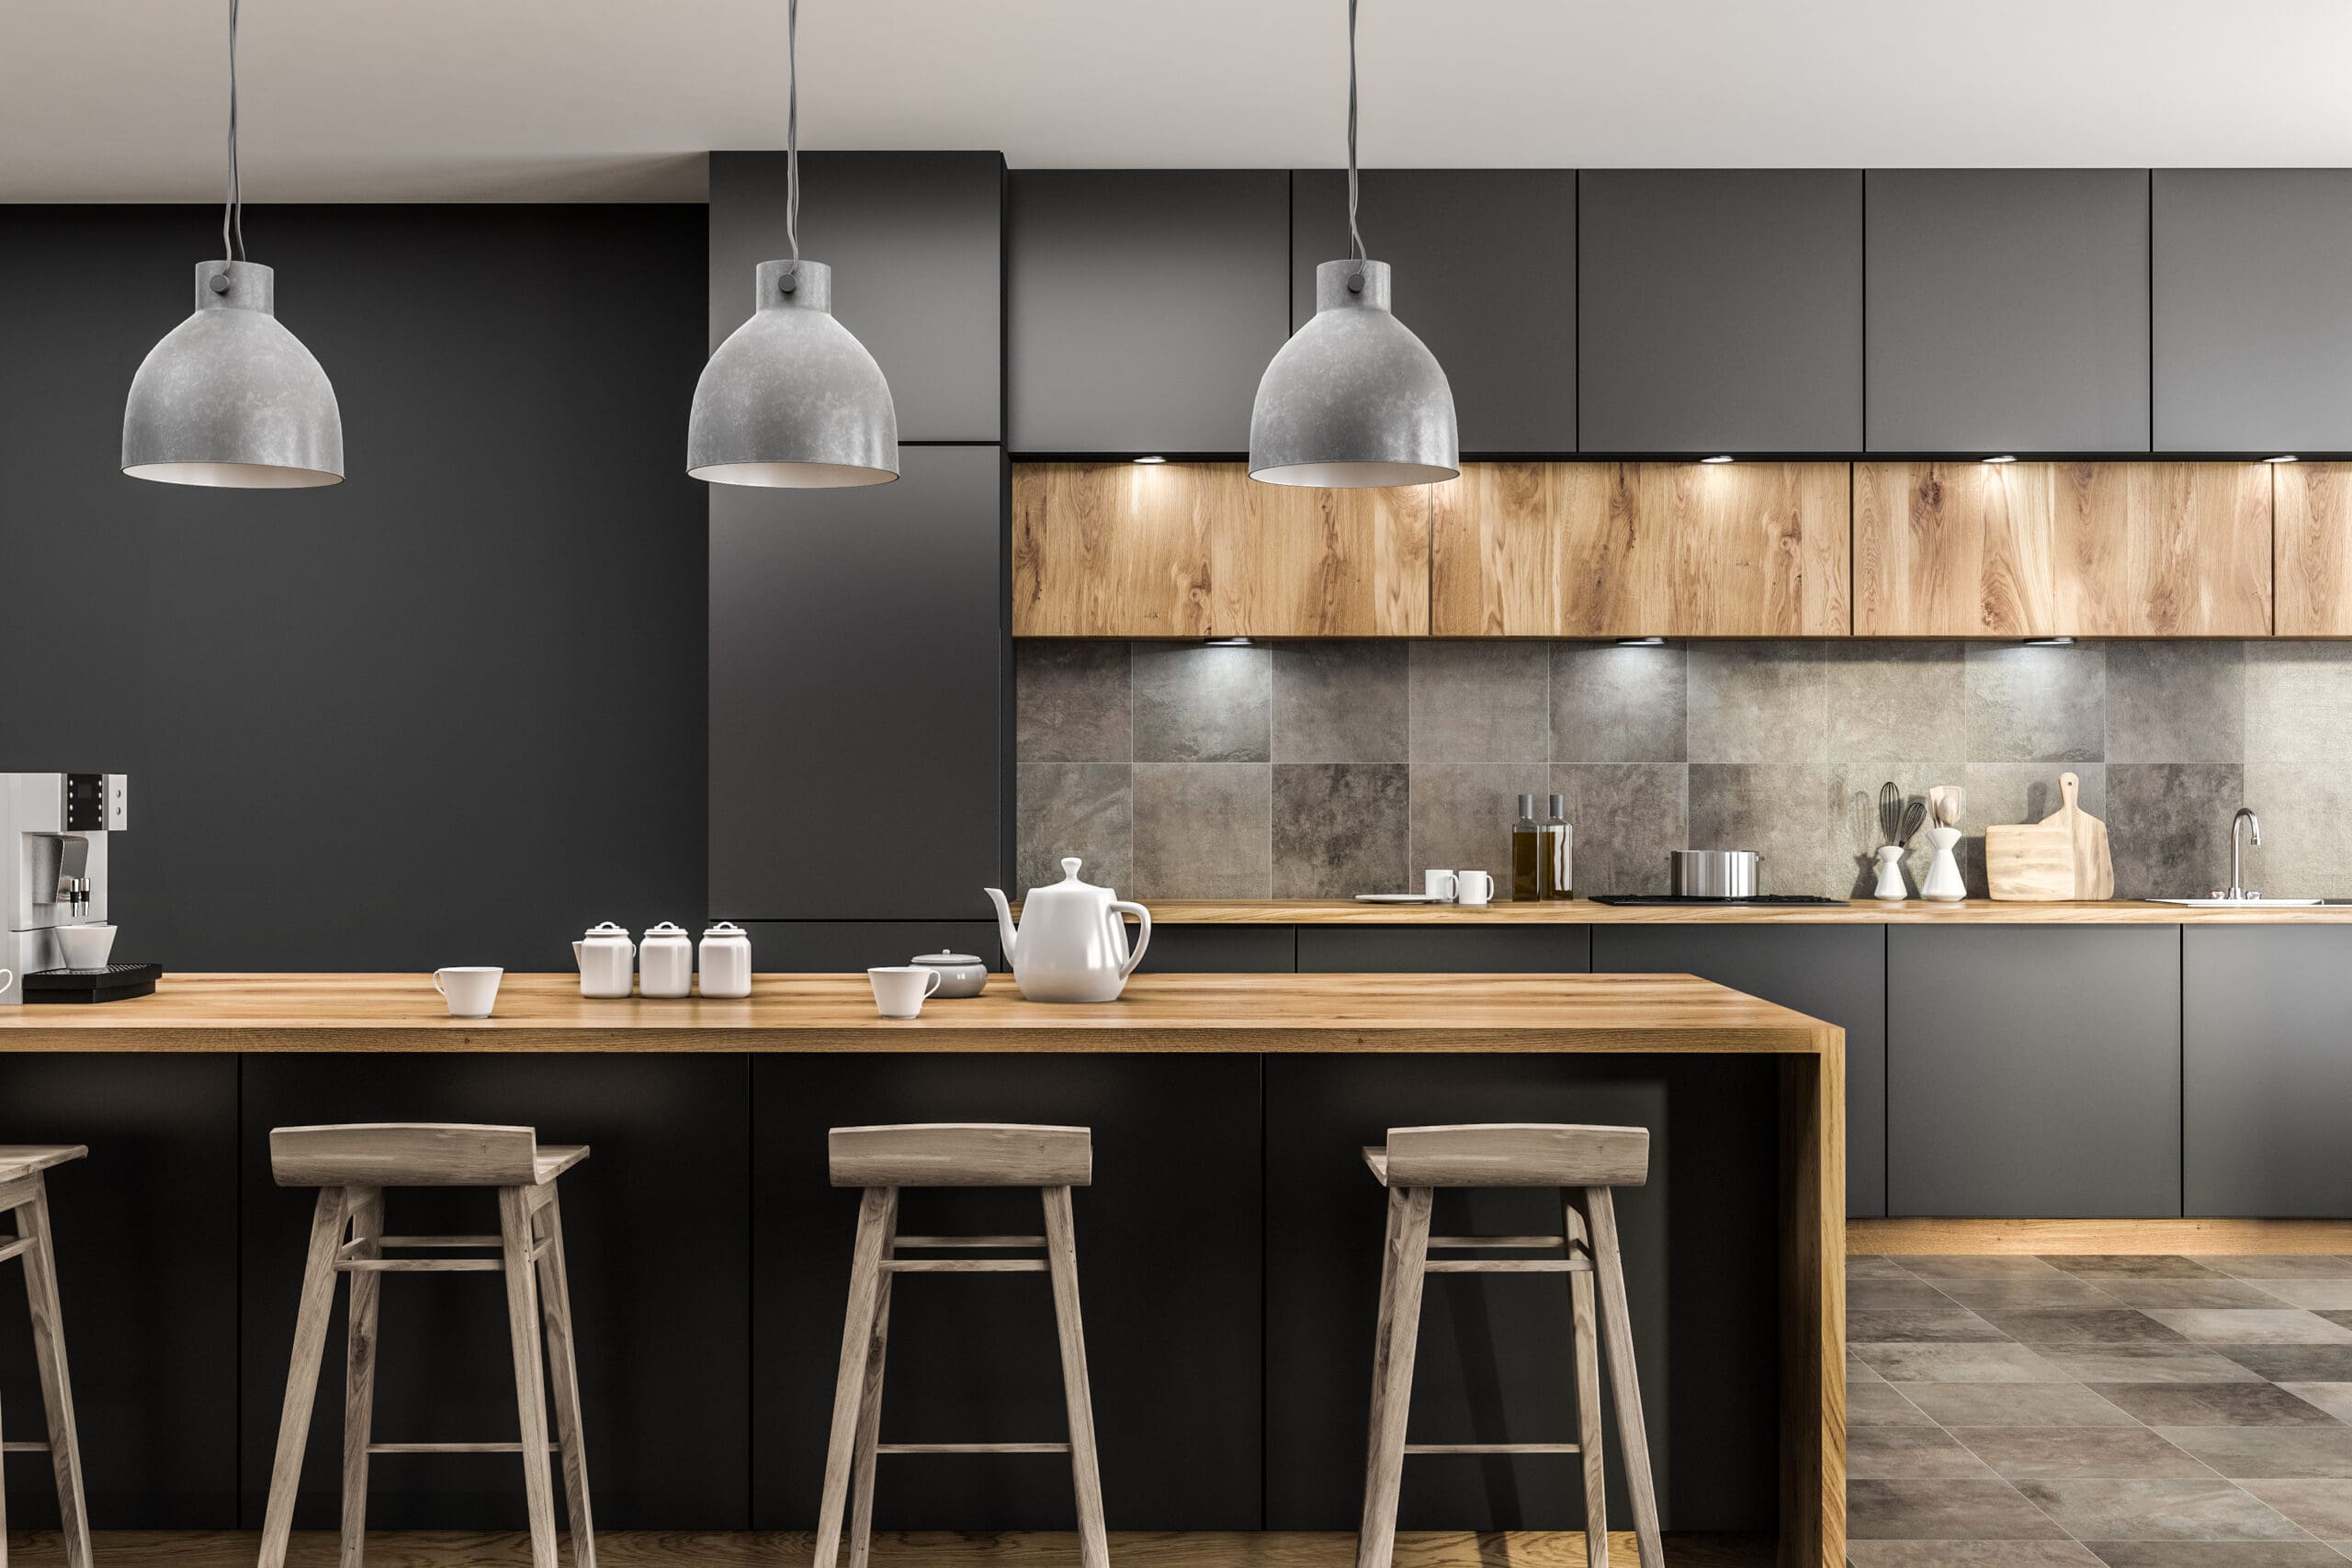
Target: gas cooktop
(1758, 899)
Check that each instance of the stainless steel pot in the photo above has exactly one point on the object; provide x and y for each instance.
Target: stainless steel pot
(1712, 874)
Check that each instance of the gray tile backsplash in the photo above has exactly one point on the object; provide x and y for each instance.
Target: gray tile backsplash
(1316, 770)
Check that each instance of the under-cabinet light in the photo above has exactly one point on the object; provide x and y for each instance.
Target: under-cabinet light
(1724, 457)
(1225, 642)
(2050, 642)
(2003, 458)
(2283, 457)
(1152, 459)
(1641, 642)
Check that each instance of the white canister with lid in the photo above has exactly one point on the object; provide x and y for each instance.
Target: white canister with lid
(604, 955)
(666, 961)
(726, 961)
(960, 974)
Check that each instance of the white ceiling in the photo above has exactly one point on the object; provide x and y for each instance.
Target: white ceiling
(122, 100)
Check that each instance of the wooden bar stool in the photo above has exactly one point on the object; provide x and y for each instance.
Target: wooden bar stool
(951, 1153)
(24, 1193)
(351, 1166)
(1584, 1163)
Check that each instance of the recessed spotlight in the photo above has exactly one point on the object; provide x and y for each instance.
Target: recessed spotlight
(2283, 457)
(2050, 642)
(1724, 457)
(1225, 642)
(1153, 459)
(2003, 458)
(1641, 642)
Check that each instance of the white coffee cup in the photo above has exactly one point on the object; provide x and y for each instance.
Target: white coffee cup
(901, 989)
(1474, 886)
(6, 976)
(1439, 884)
(86, 947)
(471, 992)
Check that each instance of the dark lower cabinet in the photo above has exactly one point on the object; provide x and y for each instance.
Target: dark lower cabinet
(1441, 950)
(1834, 973)
(833, 947)
(2034, 1071)
(1220, 950)
(2268, 1070)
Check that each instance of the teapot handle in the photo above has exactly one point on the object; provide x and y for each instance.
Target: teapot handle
(1143, 937)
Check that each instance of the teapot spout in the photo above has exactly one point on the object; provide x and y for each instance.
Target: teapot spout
(575, 953)
(1003, 919)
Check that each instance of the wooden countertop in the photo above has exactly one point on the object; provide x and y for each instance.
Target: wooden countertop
(1600, 1013)
(1864, 911)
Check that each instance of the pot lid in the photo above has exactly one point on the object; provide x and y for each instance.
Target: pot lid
(607, 927)
(724, 928)
(667, 928)
(946, 960)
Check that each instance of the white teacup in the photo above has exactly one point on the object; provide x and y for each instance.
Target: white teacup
(901, 989)
(1474, 886)
(86, 947)
(471, 992)
(6, 976)
(1439, 884)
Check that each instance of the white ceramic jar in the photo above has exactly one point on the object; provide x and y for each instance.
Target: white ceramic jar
(726, 961)
(666, 961)
(604, 955)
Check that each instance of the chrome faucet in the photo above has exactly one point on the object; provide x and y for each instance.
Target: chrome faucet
(2246, 818)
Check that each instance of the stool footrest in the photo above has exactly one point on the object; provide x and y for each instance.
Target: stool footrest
(971, 1448)
(1492, 1449)
(13, 1246)
(963, 1266)
(968, 1240)
(438, 1241)
(24, 1448)
(1509, 1265)
(423, 1265)
(449, 1447)
(1437, 1241)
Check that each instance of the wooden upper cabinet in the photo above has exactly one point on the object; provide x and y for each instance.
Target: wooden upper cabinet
(1202, 550)
(2061, 550)
(2313, 544)
(1641, 549)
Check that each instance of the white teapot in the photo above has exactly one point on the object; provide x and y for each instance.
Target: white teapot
(606, 958)
(1072, 945)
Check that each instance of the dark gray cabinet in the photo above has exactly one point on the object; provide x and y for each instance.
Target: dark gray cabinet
(1145, 305)
(916, 243)
(2033, 1071)
(1720, 310)
(2253, 309)
(2267, 1063)
(1836, 974)
(1444, 950)
(1485, 269)
(2006, 310)
(857, 658)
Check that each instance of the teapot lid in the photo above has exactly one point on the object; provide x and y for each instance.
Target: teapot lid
(1071, 883)
(946, 960)
(607, 927)
(724, 928)
(667, 928)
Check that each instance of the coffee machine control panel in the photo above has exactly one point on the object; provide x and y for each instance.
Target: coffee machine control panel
(97, 803)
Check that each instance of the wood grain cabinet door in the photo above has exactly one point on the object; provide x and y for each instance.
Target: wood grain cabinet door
(2061, 550)
(1641, 549)
(2312, 514)
(1202, 550)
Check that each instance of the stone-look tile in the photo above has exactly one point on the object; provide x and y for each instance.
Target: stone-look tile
(1943, 1510)
(2175, 701)
(1910, 1453)
(2215, 1554)
(2251, 1325)
(1074, 808)
(2021, 792)
(2058, 1291)
(2168, 825)
(1625, 816)
(1340, 829)
(1873, 1266)
(2323, 1507)
(1860, 1370)
(2192, 1293)
(2294, 1363)
(1611, 703)
(2313, 1266)
(1199, 704)
(1898, 699)
(2131, 1266)
(2138, 1364)
(1781, 810)
(2319, 1295)
(2035, 1453)
(1974, 1265)
(2335, 1398)
(2270, 1453)
(2306, 810)
(1462, 813)
(1881, 1404)
(1075, 702)
(2063, 1326)
(2014, 1405)
(1881, 1295)
(1948, 1324)
(2215, 1405)
(2037, 704)
(1203, 830)
(1959, 1363)
(2119, 1509)
(1759, 702)
(2298, 702)
(1970, 1555)
(1480, 702)
(1342, 702)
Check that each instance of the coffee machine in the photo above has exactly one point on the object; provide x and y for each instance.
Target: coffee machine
(53, 832)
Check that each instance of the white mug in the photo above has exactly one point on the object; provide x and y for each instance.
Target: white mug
(1474, 886)
(86, 947)
(901, 989)
(7, 975)
(1439, 884)
(471, 992)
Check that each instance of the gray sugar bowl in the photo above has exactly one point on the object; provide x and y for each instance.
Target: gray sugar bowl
(960, 974)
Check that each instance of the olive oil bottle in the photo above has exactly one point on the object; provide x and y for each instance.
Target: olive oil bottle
(1527, 863)
(1558, 871)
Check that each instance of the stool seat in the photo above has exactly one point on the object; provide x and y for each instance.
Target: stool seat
(416, 1154)
(962, 1153)
(23, 1159)
(1513, 1154)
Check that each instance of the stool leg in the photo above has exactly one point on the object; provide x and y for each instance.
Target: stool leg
(1395, 1341)
(1600, 1213)
(869, 1416)
(877, 1215)
(366, 1206)
(563, 1377)
(1061, 1259)
(530, 1390)
(56, 1384)
(303, 1375)
(1587, 1349)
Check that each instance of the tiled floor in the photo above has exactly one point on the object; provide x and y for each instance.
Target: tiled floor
(2072, 1412)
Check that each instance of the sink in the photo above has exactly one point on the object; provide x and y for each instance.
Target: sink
(2209, 902)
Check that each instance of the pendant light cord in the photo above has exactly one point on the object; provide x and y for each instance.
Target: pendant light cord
(1355, 239)
(233, 216)
(792, 134)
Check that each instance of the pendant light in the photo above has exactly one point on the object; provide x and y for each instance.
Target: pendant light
(230, 397)
(791, 399)
(1354, 399)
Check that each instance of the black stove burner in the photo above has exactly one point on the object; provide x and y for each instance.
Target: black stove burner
(1759, 899)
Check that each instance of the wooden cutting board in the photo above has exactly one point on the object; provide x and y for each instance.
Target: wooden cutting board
(2094, 866)
(2030, 861)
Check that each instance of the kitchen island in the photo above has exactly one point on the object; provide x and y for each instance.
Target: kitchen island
(1197, 1084)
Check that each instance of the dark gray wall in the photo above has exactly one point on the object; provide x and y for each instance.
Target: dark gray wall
(448, 712)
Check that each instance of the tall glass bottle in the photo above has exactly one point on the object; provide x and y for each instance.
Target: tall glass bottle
(1526, 854)
(1559, 851)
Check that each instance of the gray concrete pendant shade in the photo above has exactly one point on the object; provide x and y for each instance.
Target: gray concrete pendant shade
(231, 398)
(1353, 400)
(792, 401)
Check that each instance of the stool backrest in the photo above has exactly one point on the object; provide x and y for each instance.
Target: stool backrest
(1517, 1154)
(962, 1153)
(403, 1154)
